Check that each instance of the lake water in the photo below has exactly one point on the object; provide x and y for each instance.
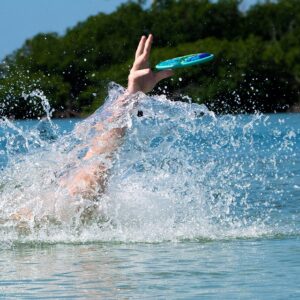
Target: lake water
(197, 205)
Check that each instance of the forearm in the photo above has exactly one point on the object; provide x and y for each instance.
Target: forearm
(110, 132)
(91, 177)
(106, 143)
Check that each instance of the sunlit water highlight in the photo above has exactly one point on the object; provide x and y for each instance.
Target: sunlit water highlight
(182, 174)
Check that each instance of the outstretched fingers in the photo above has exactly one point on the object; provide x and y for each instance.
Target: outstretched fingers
(147, 48)
(141, 77)
(142, 53)
(141, 46)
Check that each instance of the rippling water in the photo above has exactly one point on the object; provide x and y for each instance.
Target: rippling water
(196, 205)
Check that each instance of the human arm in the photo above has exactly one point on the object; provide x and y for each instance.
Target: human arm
(141, 79)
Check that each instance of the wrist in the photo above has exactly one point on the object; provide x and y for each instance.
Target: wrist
(132, 89)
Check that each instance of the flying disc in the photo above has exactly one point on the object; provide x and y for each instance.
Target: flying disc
(185, 61)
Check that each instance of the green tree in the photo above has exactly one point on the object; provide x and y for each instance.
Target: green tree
(257, 64)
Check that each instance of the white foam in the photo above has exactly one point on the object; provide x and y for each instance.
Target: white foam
(181, 173)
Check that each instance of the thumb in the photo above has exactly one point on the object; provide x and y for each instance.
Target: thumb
(163, 74)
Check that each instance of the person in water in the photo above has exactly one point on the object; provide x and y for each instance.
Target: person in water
(91, 179)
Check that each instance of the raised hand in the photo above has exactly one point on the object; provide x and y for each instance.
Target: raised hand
(141, 77)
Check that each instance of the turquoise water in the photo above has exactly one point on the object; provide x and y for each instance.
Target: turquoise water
(197, 205)
(265, 268)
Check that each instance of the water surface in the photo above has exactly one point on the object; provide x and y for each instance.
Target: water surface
(196, 205)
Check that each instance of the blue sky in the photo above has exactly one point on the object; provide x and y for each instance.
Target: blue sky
(22, 19)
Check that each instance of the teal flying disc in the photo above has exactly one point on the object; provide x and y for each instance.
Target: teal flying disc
(185, 61)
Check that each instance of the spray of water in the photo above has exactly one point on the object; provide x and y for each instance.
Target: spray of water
(181, 172)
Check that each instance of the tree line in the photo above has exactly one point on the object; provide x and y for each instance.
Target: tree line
(256, 66)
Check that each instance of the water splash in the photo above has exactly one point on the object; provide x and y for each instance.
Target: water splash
(181, 173)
